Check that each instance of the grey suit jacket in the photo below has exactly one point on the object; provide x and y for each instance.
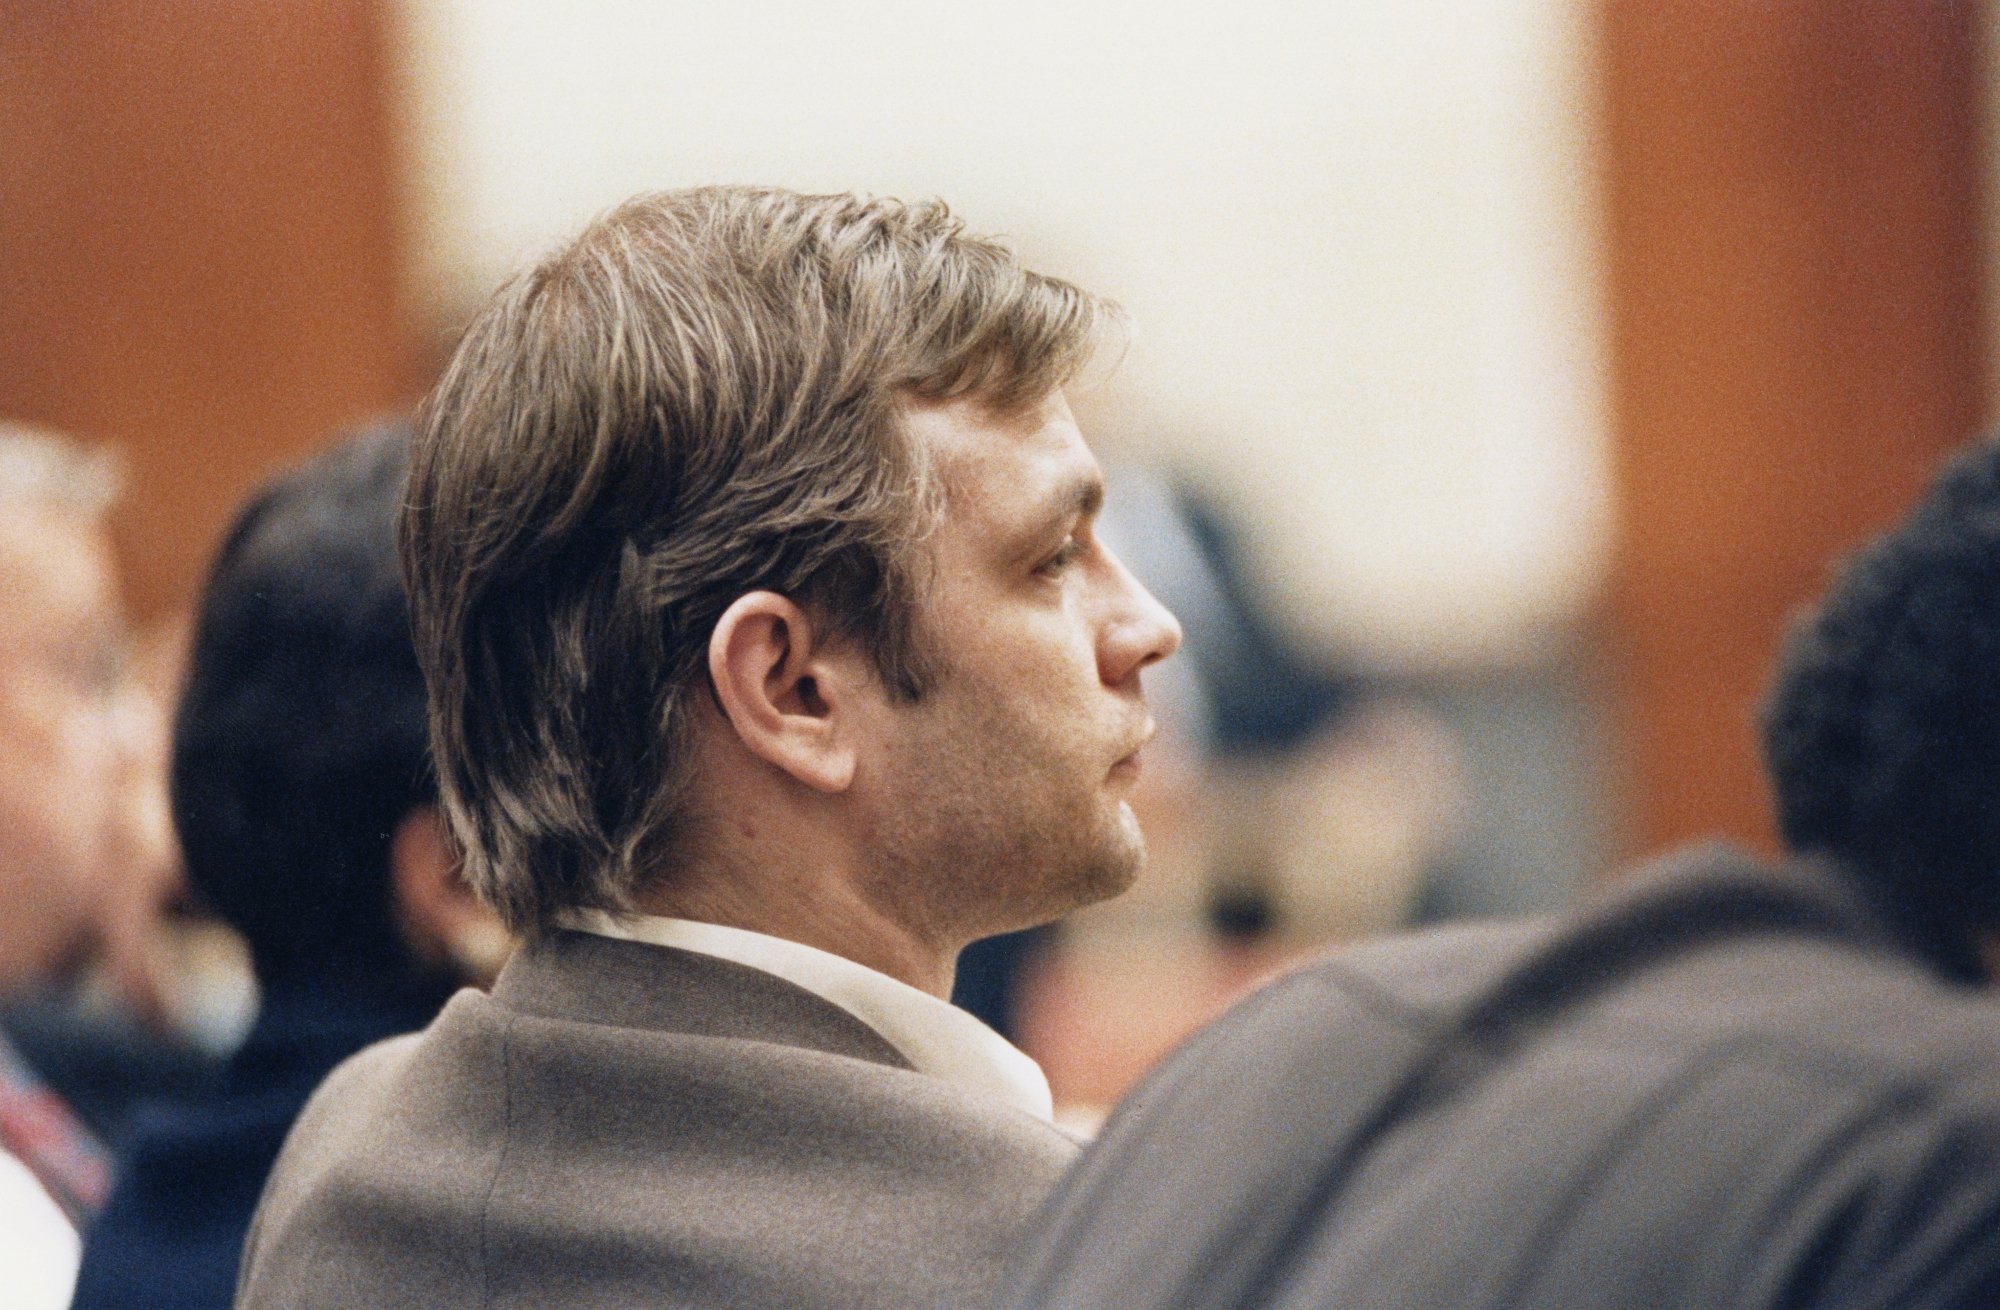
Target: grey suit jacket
(1723, 1085)
(621, 1124)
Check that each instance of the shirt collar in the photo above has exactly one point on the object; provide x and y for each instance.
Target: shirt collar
(936, 1037)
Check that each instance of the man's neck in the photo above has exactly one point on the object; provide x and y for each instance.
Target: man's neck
(818, 909)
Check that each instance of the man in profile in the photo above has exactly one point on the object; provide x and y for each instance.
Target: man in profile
(773, 658)
(1720, 1084)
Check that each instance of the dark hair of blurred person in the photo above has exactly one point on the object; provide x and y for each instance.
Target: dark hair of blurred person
(59, 772)
(305, 809)
(1882, 729)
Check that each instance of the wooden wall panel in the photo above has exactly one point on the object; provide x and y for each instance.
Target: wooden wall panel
(199, 255)
(1795, 255)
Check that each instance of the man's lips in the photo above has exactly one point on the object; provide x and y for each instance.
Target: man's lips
(1128, 767)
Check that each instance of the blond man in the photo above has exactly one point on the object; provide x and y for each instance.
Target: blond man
(773, 658)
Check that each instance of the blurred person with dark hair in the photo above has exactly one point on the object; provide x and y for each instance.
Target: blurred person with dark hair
(60, 770)
(306, 809)
(773, 658)
(1882, 732)
(1719, 1083)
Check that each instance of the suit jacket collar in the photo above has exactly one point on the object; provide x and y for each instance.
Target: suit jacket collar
(1715, 881)
(936, 1037)
(586, 978)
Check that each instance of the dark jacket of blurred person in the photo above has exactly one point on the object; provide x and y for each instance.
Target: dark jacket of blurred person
(305, 806)
(1719, 1084)
(773, 658)
(60, 768)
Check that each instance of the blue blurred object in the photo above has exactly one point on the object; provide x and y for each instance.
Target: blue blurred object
(191, 1170)
(1258, 695)
(989, 978)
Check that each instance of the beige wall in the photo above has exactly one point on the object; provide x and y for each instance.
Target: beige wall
(1355, 237)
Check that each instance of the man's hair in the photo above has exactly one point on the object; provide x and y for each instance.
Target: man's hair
(299, 743)
(39, 465)
(696, 398)
(1882, 726)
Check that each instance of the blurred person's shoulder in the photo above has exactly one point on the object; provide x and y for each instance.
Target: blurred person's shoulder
(1720, 1051)
(1706, 955)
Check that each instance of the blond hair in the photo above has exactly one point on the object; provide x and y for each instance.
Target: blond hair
(695, 398)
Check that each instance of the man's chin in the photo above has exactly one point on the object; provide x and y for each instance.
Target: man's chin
(1114, 868)
(1120, 859)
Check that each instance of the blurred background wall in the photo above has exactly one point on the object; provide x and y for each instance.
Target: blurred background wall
(1357, 239)
(1797, 236)
(1542, 352)
(203, 256)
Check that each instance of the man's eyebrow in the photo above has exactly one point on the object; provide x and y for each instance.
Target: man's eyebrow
(1082, 498)
(1085, 496)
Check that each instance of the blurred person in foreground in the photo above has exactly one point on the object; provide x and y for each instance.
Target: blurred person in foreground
(773, 658)
(60, 771)
(1720, 1083)
(306, 808)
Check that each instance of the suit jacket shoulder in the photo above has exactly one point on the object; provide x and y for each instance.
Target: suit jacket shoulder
(622, 1125)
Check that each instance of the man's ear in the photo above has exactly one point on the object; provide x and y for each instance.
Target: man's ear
(443, 919)
(783, 686)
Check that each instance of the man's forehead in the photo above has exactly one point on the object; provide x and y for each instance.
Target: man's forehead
(1032, 453)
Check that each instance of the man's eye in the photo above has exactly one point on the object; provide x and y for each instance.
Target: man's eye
(1062, 559)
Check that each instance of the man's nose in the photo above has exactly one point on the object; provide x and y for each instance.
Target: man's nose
(1141, 631)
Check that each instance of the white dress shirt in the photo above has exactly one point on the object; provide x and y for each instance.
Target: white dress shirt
(936, 1037)
(39, 1250)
